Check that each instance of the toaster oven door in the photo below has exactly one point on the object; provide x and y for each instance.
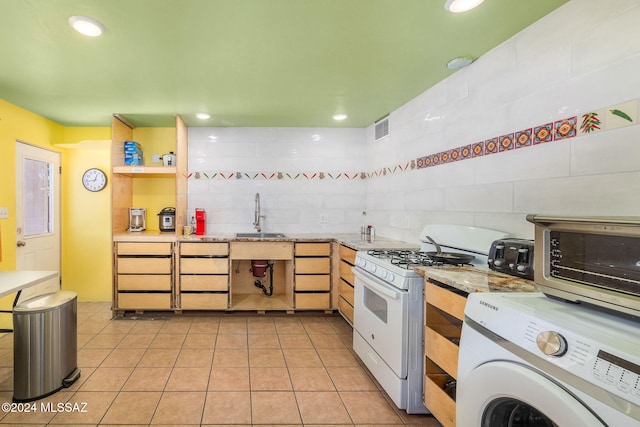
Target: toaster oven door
(592, 263)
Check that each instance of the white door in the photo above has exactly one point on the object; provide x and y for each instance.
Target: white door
(38, 214)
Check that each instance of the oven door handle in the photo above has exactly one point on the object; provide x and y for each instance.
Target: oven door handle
(376, 286)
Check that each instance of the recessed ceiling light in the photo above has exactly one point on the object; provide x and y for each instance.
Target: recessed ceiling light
(203, 116)
(459, 62)
(457, 6)
(87, 26)
(339, 117)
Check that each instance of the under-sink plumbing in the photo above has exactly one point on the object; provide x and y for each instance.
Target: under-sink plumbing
(259, 270)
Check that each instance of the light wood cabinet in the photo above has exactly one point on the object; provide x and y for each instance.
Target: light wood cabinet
(203, 276)
(444, 313)
(312, 275)
(143, 276)
(345, 301)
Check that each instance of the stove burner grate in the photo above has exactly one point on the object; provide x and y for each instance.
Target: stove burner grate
(408, 259)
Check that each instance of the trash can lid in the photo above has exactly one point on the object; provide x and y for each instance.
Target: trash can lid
(45, 301)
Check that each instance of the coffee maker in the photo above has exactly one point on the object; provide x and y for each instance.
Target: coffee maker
(201, 222)
(137, 219)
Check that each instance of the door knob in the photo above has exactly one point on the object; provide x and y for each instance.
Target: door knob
(21, 243)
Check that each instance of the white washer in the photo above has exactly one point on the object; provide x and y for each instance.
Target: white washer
(589, 378)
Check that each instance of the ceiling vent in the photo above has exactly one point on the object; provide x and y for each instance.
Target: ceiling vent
(382, 128)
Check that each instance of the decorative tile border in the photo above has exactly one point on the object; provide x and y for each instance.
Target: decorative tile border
(614, 117)
(625, 114)
(275, 176)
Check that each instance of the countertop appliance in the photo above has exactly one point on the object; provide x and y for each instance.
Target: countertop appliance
(592, 260)
(512, 256)
(389, 308)
(528, 360)
(137, 219)
(167, 219)
(201, 222)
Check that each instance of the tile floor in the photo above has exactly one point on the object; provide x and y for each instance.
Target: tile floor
(218, 370)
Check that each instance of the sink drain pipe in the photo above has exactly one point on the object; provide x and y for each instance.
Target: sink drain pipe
(259, 269)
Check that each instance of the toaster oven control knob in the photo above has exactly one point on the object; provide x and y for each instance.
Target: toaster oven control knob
(551, 343)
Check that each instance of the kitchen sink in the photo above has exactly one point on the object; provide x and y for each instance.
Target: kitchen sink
(260, 235)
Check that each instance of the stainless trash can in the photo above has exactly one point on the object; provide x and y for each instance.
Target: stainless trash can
(45, 345)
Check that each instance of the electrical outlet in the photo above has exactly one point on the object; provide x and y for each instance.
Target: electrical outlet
(156, 158)
(4, 213)
(324, 218)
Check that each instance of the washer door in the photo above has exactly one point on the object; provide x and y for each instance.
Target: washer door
(506, 394)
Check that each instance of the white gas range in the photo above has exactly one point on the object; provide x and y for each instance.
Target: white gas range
(389, 306)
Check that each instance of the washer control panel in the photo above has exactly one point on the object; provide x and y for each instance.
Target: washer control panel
(593, 346)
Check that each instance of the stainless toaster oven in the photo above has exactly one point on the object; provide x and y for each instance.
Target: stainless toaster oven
(593, 260)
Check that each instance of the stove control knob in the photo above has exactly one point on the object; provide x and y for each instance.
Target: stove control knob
(390, 277)
(383, 274)
(551, 343)
(372, 268)
(360, 262)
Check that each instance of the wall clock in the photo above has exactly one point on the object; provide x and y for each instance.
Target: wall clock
(94, 179)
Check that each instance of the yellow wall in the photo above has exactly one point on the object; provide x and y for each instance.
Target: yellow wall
(86, 226)
(85, 216)
(154, 194)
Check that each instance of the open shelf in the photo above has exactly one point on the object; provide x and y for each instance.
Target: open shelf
(146, 171)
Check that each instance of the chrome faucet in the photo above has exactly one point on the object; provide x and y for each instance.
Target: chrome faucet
(257, 217)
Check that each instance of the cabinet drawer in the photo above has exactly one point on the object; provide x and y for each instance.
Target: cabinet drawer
(316, 282)
(204, 283)
(204, 265)
(313, 249)
(348, 254)
(345, 309)
(346, 292)
(445, 300)
(203, 301)
(204, 249)
(437, 401)
(130, 248)
(313, 301)
(142, 265)
(345, 272)
(439, 348)
(313, 265)
(144, 282)
(142, 301)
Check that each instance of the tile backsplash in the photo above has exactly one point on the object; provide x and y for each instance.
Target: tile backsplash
(309, 180)
(544, 123)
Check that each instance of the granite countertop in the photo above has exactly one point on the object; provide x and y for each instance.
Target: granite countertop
(476, 279)
(351, 240)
